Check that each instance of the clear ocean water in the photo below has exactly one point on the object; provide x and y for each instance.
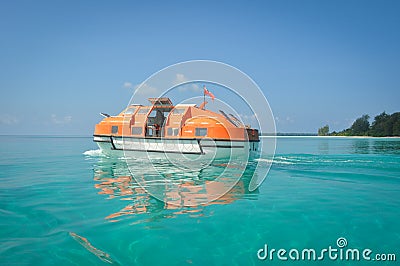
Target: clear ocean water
(63, 203)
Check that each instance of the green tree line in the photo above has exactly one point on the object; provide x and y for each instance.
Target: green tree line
(384, 125)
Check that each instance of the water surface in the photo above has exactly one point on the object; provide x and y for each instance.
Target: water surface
(62, 202)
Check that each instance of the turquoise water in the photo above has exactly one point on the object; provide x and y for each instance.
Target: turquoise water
(62, 202)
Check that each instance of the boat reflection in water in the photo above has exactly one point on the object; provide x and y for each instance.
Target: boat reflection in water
(172, 190)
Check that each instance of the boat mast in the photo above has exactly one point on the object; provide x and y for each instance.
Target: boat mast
(204, 98)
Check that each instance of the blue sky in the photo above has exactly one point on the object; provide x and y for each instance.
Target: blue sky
(317, 62)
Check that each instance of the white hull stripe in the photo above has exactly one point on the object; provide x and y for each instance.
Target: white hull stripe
(156, 145)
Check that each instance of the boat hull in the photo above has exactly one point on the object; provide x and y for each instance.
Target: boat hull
(175, 148)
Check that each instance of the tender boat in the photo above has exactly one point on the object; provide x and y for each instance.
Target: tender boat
(162, 128)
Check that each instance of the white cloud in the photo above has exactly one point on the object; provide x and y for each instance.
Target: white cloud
(127, 85)
(148, 90)
(145, 89)
(180, 78)
(190, 87)
(7, 119)
(61, 121)
(289, 119)
(284, 121)
(248, 119)
(252, 117)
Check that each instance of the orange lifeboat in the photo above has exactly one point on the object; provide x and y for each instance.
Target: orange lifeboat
(162, 128)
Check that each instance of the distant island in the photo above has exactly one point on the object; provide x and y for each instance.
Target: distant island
(384, 125)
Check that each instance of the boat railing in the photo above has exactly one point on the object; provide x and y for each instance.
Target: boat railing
(236, 124)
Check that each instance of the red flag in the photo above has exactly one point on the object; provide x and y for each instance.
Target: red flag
(206, 92)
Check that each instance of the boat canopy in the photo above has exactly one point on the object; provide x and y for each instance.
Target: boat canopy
(163, 101)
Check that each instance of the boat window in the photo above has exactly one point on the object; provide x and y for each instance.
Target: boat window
(130, 111)
(172, 131)
(114, 129)
(178, 111)
(136, 130)
(153, 113)
(143, 111)
(201, 131)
